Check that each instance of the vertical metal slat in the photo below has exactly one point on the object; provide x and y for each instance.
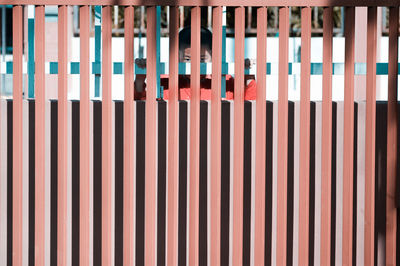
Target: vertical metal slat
(326, 135)
(369, 223)
(304, 175)
(173, 139)
(238, 138)
(215, 153)
(194, 171)
(106, 143)
(150, 142)
(40, 118)
(128, 179)
(84, 143)
(392, 137)
(17, 137)
(282, 136)
(348, 138)
(62, 225)
(260, 153)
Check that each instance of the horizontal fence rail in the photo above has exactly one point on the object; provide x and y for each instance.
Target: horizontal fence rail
(118, 68)
(170, 181)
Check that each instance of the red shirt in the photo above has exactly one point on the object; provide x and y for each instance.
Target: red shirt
(205, 88)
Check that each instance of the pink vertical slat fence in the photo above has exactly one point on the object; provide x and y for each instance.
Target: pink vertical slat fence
(304, 171)
(62, 201)
(348, 138)
(237, 237)
(259, 215)
(129, 198)
(370, 137)
(173, 141)
(17, 138)
(40, 118)
(84, 139)
(150, 145)
(326, 134)
(215, 186)
(106, 142)
(194, 137)
(392, 128)
(183, 165)
(281, 224)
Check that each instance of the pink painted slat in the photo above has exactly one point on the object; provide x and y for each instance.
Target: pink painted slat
(370, 138)
(194, 137)
(304, 175)
(255, 3)
(40, 118)
(128, 191)
(326, 144)
(348, 137)
(17, 136)
(215, 153)
(282, 136)
(150, 145)
(106, 142)
(392, 137)
(84, 138)
(173, 139)
(259, 193)
(62, 170)
(238, 139)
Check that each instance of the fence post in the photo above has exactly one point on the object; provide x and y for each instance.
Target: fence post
(391, 210)
(369, 223)
(259, 193)
(215, 160)
(326, 149)
(150, 142)
(348, 138)
(40, 118)
(281, 228)
(84, 143)
(17, 138)
(304, 175)
(194, 137)
(173, 139)
(106, 142)
(129, 165)
(238, 139)
(62, 160)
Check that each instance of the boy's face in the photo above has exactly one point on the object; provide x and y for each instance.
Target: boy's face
(205, 55)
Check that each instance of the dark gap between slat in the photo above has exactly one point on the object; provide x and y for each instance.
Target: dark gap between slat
(9, 181)
(31, 172)
(54, 182)
(119, 182)
(203, 184)
(162, 175)
(247, 182)
(140, 180)
(355, 138)
(225, 180)
(380, 173)
(311, 215)
(290, 185)
(268, 182)
(97, 182)
(75, 182)
(183, 126)
(333, 183)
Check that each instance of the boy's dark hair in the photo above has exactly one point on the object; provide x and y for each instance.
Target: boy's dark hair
(205, 36)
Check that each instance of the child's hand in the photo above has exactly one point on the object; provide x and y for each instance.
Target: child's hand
(141, 62)
(248, 63)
